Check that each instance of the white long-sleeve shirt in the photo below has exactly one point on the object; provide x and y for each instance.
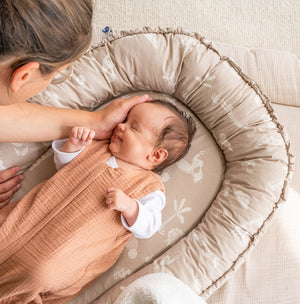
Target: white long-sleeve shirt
(150, 206)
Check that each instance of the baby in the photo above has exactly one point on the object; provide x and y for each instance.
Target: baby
(155, 135)
(68, 230)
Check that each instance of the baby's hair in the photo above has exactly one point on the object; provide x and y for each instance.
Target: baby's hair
(176, 135)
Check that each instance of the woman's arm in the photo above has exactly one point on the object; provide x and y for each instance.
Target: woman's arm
(26, 122)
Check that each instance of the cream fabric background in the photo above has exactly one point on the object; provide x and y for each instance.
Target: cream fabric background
(273, 24)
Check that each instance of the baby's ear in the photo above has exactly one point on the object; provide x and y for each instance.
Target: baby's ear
(157, 156)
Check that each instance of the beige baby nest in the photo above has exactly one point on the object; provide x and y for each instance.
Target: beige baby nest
(224, 193)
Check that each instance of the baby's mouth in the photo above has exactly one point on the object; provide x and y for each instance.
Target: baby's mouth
(117, 138)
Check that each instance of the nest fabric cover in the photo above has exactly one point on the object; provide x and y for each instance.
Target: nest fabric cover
(241, 121)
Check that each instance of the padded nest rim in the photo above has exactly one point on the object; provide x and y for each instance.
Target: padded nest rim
(287, 159)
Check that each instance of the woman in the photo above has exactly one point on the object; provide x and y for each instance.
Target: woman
(38, 40)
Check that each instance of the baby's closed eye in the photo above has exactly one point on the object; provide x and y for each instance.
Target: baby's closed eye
(134, 127)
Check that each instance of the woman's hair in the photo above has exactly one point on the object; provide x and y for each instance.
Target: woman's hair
(50, 32)
(176, 135)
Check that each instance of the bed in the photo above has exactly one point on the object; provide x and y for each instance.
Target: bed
(232, 185)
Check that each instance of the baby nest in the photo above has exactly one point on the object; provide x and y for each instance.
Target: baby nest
(224, 193)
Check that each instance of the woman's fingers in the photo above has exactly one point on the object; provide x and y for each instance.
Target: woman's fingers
(10, 183)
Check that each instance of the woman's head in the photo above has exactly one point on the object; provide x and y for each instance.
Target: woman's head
(50, 32)
(39, 38)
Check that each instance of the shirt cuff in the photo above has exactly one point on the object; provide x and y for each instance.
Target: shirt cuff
(138, 224)
(62, 158)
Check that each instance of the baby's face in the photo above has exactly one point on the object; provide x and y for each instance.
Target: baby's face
(134, 140)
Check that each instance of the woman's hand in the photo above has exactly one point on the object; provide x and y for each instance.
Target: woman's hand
(10, 183)
(107, 119)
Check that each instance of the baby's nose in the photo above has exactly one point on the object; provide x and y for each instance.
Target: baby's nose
(121, 126)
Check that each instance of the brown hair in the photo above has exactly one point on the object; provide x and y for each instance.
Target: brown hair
(176, 135)
(50, 32)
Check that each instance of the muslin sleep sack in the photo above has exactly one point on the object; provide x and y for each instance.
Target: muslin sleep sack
(61, 236)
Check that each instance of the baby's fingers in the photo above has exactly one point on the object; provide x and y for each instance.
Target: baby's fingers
(84, 134)
(110, 190)
(90, 136)
(109, 194)
(81, 131)
(74, 132)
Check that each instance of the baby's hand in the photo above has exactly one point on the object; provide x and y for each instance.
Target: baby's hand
(79, 137)
(116, 199)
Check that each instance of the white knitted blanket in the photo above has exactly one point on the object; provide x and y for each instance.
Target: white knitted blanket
(158, 288)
